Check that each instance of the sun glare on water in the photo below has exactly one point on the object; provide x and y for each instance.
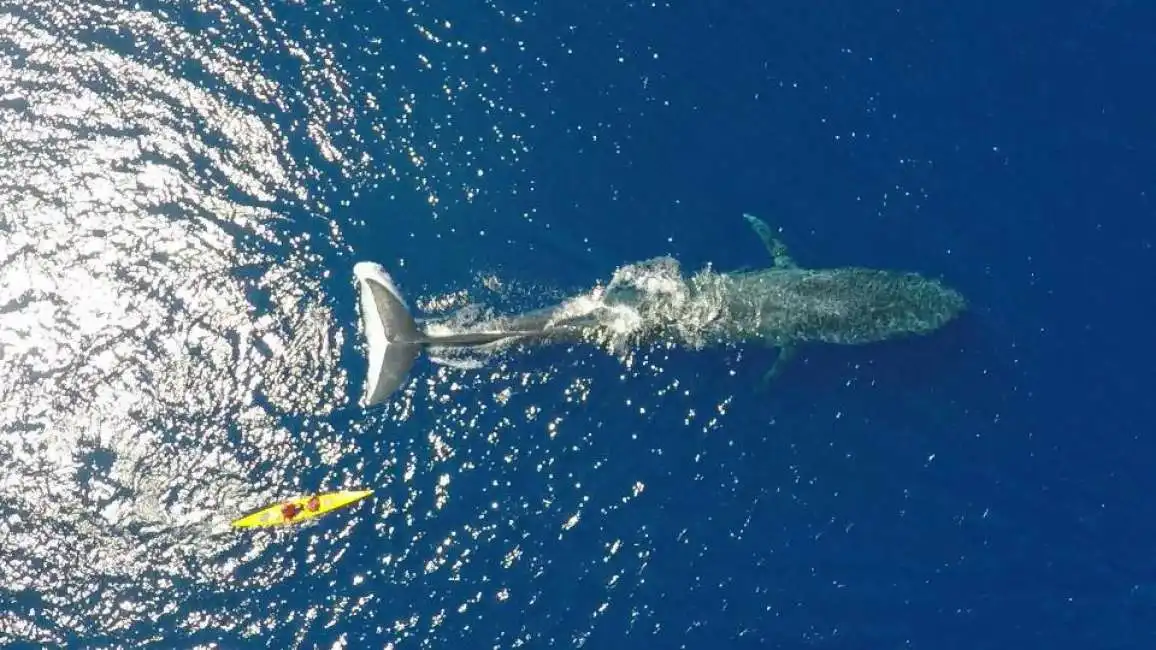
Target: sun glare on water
(153, 326)
(172, 354)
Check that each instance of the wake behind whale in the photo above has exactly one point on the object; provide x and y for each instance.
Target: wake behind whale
(654, 301)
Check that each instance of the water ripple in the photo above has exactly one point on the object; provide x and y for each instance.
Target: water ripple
(170, 176)
(156, 322)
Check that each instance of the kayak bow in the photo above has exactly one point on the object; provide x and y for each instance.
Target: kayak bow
(272, 516)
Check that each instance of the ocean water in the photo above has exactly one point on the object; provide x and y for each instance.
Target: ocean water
(185, 187)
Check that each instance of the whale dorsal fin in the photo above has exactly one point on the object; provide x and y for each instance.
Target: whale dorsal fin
(778, 250)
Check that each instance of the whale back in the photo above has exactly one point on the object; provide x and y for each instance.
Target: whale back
(841, 305)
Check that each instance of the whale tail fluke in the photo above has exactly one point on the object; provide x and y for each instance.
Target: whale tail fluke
(394, 338)
(391, 333)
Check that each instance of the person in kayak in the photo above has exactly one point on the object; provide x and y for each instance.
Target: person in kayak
(289, 511)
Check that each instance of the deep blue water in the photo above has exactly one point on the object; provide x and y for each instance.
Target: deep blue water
(987, 486)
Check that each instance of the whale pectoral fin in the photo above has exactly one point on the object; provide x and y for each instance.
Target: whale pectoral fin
(778, 250)
(786, 353)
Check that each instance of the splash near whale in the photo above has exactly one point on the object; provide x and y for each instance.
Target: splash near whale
(781, 306)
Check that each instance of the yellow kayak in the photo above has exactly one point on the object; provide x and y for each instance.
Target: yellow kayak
(301, 509)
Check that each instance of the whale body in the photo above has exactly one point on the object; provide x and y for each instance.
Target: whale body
(781, 306)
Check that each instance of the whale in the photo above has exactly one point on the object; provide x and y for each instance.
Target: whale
(654, 301)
